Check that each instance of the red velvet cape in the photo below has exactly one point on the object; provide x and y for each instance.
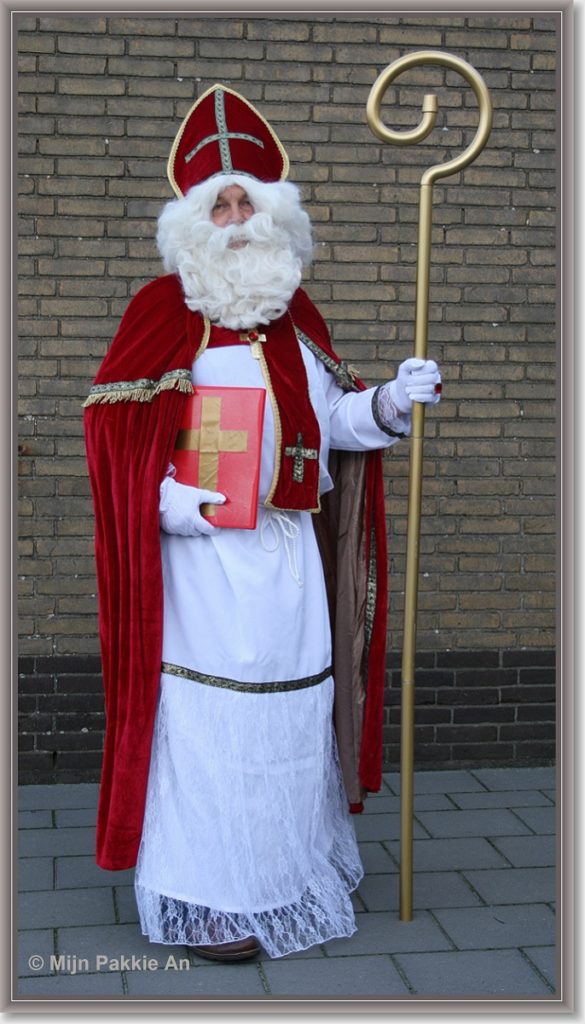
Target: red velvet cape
(131, 422)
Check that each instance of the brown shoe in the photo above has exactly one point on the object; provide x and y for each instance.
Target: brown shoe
(242, 949)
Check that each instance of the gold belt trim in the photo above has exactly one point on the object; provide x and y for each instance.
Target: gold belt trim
(234, 684)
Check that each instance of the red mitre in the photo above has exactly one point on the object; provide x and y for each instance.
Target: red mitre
(224, 134)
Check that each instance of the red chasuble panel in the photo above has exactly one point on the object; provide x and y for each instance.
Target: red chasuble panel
(218, 448)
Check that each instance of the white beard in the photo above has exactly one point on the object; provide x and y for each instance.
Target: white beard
(242, 287)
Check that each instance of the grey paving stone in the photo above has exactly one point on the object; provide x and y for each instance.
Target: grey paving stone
(126, 904)
(88, 893)
(423, 802)
(75, 816)
(391, 780)
(496, 973)
(430, 890)
(366, 976)
(381, 805)
(451, 854)
(34, 943)
(516, 778)
(381, 826)
(112, 941)
(528, 851)
(385, 933)
(303, 954)
(80, 985)
(82, 794)
(498, 927)
(35, 819)
(442, 824)
(216, 980)
(83, 872)
(542, 820)
(438, 782)
(376, 858)
(432, 802)
(35, 873)
(502, 798)
(383, 791)
(39, 842)
(514, 885)
(545, 958)
(75, 906)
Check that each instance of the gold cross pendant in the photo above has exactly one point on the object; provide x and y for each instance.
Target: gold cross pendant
(255, 338)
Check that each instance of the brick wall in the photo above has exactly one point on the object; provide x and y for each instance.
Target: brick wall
(100, 99)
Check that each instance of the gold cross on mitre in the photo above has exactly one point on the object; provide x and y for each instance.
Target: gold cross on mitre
(209, 440)
(254, 337)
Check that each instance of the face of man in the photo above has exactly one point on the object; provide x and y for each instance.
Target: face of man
(236, 265)
(232, 206)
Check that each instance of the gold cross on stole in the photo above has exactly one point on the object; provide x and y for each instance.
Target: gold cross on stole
(299, 454)
(254, 337)
(209, 440)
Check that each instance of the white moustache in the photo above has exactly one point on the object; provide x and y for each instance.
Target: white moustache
(258, 230)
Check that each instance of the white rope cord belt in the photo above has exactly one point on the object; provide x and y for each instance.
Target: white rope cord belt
(290, 531)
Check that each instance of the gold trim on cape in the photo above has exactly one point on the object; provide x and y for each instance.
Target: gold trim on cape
(371, 592)
(205, 339)
(142, 390)
(277, 426)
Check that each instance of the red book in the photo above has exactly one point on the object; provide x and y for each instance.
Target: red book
(218, 448)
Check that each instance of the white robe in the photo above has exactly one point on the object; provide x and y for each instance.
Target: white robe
(246, 828)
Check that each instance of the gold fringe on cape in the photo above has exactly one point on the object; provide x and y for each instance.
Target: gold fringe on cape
(143, 390)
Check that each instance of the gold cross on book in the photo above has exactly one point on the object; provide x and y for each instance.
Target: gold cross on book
(209, 440)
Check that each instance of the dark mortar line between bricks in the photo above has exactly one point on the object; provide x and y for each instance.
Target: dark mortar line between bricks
(469, 885)
(402, 974)
(441, 928)
(424, 827)
(395, 860)
(452, 799)
(526, 957)
(116, 907)
(481, 782)
(524, 823)
(263, 979)
(490, 840)
(41, 927)
(357, 895)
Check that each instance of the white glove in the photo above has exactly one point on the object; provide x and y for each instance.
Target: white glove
(415, 381)
(179, 508)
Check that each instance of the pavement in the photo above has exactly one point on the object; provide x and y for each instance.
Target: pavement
(484, 905)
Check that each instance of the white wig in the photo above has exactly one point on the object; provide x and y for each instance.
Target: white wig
(280, 199)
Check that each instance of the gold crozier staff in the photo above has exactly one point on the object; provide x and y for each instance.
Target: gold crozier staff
(418, 411)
